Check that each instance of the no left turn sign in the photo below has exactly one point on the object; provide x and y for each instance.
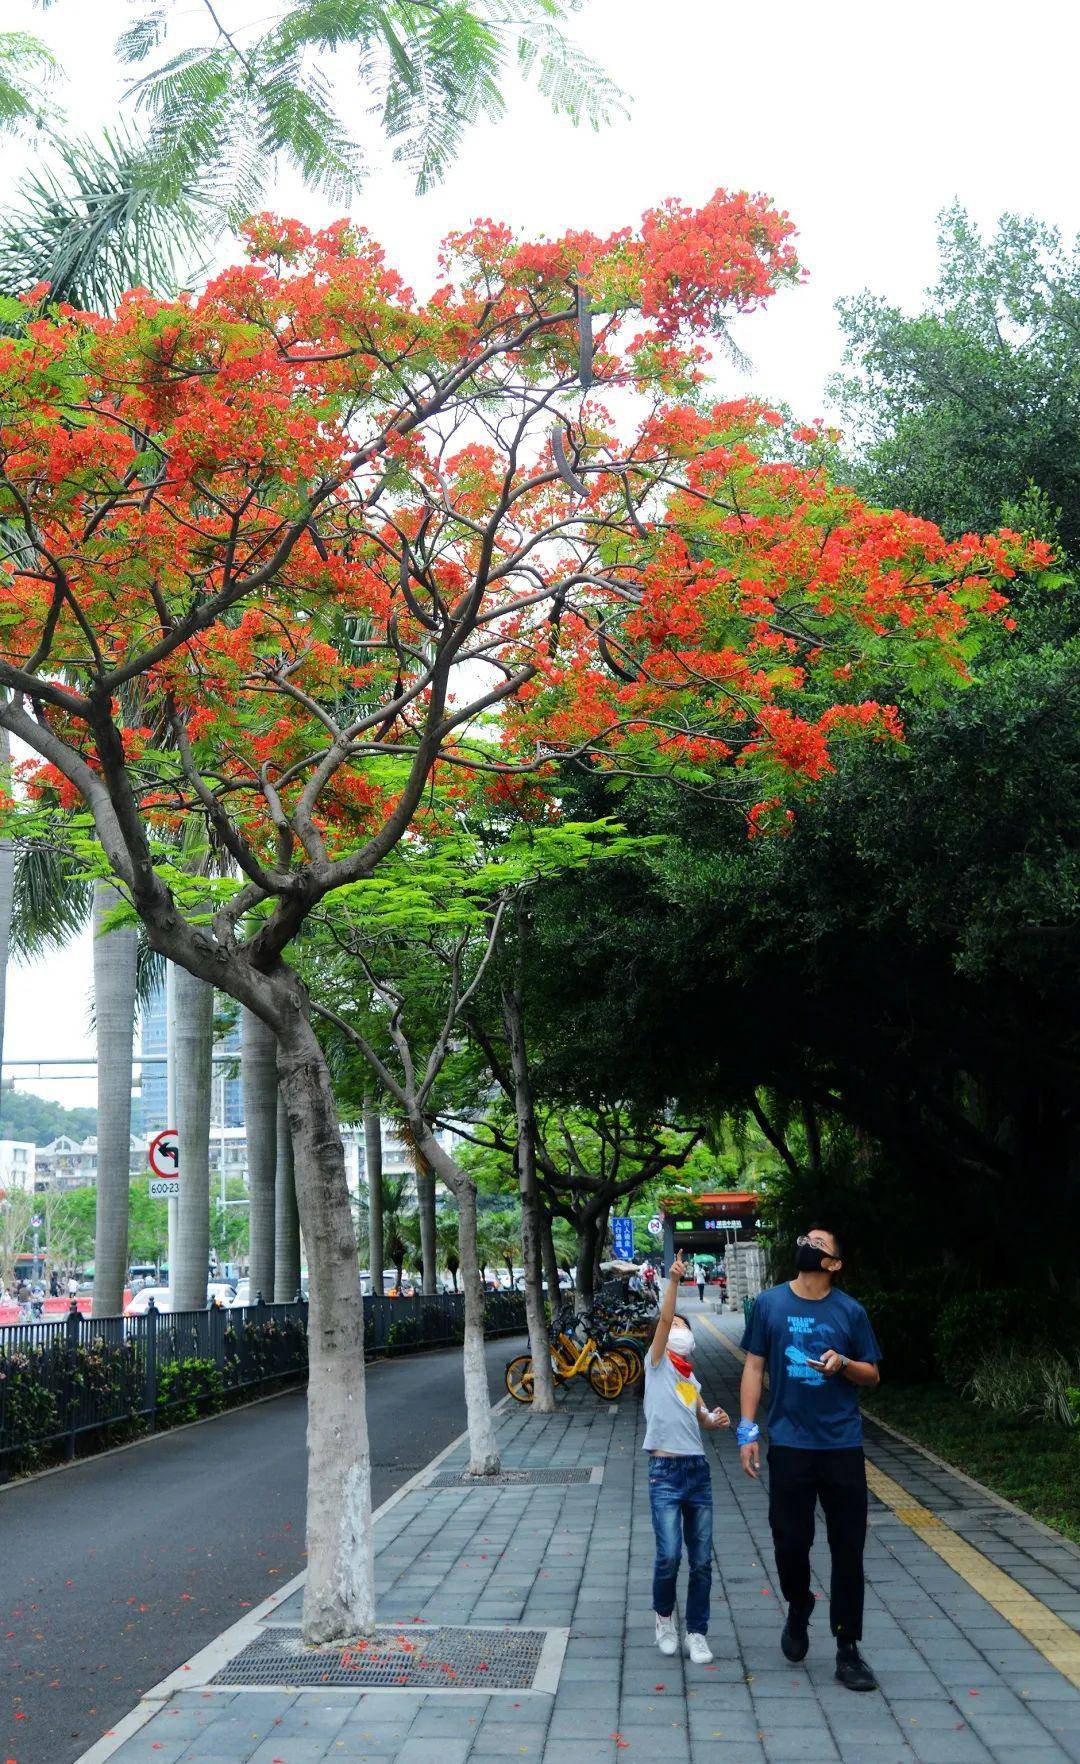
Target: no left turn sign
(163, 1157)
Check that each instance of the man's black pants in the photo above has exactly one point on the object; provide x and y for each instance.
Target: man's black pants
(798, 1479)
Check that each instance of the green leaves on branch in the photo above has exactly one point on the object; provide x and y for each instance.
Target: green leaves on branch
(229, 108)
(454, 885)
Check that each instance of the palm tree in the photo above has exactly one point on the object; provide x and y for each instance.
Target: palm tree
(191, 1038)
(258, 1068)
(446, 1242)
(425, 1201)
(286, 1215)
(116, 953)
(373, 1163)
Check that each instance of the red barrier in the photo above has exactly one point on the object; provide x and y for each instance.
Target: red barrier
(57, 1307)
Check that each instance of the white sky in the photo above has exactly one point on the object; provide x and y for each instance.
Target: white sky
(862, 121)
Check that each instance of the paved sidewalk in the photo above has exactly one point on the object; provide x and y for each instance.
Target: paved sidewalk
(951, 1573)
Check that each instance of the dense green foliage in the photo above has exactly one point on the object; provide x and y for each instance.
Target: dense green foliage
(956, 412)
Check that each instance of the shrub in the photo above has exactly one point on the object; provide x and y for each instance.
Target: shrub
(188, 1388)
(1026, 1386)
(974, 1325)
(904, 1325)
(28, 1408)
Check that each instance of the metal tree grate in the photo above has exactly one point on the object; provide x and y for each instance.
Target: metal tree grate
(410, 1658)
(509, 1479)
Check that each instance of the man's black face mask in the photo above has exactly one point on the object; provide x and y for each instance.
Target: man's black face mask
(808, 1258)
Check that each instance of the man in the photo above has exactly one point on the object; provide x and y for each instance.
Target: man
(701, 1275)
(820, 1351)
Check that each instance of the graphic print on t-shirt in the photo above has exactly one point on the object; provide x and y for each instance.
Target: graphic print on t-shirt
(687, 1391)
(801, 1350)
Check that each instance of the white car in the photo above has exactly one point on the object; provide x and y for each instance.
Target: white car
(140, 1304)
(162, 1298)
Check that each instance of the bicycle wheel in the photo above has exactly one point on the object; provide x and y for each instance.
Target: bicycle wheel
(620, 1359)
(519, 1378)
(635, 1365)
(606, 1377)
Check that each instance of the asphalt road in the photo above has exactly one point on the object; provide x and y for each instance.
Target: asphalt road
(115, 1571)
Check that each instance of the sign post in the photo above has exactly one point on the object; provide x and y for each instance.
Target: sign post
(655, 1227)
(163, 1156)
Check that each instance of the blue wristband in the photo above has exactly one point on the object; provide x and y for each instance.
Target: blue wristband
(747, 1432)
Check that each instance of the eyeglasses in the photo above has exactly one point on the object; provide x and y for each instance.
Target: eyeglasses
(812, 1241)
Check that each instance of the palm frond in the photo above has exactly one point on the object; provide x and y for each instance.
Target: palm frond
(26, 66)
(51, 901)
(98, 220)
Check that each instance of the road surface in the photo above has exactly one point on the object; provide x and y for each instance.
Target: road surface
(117, 1570)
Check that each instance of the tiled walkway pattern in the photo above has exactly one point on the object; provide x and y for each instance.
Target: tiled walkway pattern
(959, 1684)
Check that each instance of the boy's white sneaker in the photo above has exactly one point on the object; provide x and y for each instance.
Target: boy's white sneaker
(667, 1636)
(698, 1649)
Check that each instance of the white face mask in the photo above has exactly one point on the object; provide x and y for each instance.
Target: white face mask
(681, 1341)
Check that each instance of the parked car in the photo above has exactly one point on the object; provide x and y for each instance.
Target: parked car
(140, 1303)
(162, 1298)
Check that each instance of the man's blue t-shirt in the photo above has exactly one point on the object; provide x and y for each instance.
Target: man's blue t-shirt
(806, 1408)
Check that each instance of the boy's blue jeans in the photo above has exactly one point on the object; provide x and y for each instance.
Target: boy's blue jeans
(680, 1500)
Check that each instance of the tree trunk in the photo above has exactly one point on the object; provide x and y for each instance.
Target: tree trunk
(586, 1259)
(483, 1447)
(286, 1216)
(258, 1067)
(539, 1346)
(7, 890)
(373, 1174)
(425, 1195)
(549, 1259)
(601, 1245)
(339, 1595)
(191, 1041)
(115, 957)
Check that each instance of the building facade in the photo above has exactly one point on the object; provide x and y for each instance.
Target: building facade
(18, 1160)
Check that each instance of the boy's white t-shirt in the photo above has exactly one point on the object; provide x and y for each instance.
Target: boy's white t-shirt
(671, 1403)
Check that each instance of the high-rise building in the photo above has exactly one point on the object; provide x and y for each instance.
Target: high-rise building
(227, 1098)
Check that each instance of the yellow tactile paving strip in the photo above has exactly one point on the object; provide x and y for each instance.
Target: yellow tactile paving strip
(1046, 1631)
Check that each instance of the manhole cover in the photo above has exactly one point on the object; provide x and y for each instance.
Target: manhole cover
(509, 1479)
(411, 1658)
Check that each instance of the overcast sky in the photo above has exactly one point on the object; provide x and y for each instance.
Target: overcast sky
(862, 121)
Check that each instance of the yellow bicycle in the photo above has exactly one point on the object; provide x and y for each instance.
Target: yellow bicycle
(606, 1369)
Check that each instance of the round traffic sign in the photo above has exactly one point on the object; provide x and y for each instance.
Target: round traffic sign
(655, 1226)
(164, 1154)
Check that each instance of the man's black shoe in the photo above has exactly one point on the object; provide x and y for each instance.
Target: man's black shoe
(851, 1668)
(795, 1640)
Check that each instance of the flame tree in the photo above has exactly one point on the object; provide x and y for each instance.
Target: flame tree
(307, 556)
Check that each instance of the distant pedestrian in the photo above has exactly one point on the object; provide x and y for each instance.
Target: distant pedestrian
(73, 1287)
(819, 1349)
(680, 1481)
(701, 1275)
(54, 1284)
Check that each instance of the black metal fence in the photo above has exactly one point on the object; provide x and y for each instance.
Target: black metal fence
(80, 1375)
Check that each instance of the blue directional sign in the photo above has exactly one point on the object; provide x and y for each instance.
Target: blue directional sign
(622, 1239)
